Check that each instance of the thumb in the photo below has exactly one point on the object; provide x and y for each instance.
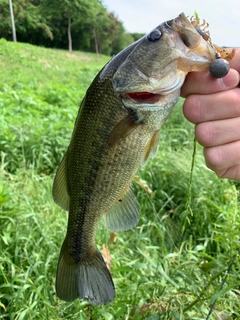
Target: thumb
(204, 83)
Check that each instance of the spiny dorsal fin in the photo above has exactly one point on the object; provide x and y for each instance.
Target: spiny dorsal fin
(124, 214)
(59, 190)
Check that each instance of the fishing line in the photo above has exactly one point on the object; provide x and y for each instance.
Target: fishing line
(223, 282)
(189, 197)
(188, 207)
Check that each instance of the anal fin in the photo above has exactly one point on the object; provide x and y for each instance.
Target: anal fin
(124, 215)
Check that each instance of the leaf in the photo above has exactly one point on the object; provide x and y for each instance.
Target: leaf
(107, 256)
(143, 184)
(113, 237)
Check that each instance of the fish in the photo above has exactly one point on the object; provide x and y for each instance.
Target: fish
(116, 131)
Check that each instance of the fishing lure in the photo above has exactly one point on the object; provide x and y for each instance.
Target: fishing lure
(220, 67)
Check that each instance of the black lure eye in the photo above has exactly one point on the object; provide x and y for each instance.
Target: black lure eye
(154, 35)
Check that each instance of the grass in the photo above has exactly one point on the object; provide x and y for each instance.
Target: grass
(42, 89)
(171, 266)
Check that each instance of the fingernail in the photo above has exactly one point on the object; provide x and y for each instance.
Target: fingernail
(231, 80)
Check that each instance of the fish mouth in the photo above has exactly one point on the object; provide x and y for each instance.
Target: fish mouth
(149, 101)
(143, 97)
(156, 94)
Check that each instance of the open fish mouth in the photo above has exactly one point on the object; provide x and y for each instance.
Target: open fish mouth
(157, 93)
(149, 101)
(143, 97)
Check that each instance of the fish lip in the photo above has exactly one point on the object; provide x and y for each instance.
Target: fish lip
(169, 23)
(180, 18)
(154, 91)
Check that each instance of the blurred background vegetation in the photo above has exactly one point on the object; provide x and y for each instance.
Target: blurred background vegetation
(46, 23)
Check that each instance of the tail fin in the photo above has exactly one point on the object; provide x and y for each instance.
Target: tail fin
(88, 280)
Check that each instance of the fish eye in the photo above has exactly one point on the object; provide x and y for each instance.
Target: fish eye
(154, 35)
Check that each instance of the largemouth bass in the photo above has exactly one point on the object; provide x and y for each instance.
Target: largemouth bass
(116, 131)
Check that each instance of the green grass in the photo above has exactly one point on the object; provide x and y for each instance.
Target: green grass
(40, 92)
(171, 266)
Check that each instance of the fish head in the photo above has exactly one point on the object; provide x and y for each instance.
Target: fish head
(154, 68)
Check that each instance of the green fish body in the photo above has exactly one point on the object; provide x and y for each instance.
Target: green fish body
(116, 131)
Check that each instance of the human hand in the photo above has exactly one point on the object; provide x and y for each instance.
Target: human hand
(214, 106)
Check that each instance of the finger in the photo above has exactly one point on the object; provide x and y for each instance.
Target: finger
(221, 158)
(215, 133)
(232, 173)
(217, 106)
(204, 83)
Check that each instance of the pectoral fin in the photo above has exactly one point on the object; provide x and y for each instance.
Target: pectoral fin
(60, 191)
(123, 128)
(124, 214)
(152, 148)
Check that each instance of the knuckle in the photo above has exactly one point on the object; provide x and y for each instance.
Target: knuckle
(235, 100)
(214, 158)
(191, 108)
(206, 134)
